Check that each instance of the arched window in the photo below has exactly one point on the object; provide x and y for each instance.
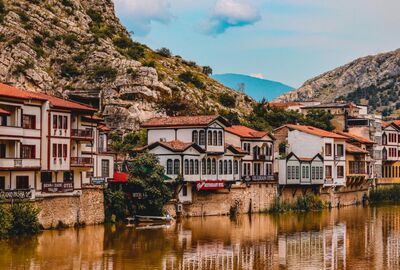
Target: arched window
(230, 167)
(203, 166)
(221, 169)
(225, 167)
(219, 137)
(195, 136)
(196, 167)
(186, 166)
(214, 166)
(202, 137)
(177, 166)
(191, 166)
(209, 137)
(215, 137)
(208, 166)
(169, 166)
(235, 167)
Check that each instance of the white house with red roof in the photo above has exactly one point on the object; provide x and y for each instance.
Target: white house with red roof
(257, 164)
(195, 148)
(49, 145)
(312, 156)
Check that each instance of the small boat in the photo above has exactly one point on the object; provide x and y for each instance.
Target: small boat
(153, 227)
(153, 219)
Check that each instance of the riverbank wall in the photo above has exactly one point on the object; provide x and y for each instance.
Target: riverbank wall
(241, 198)
(83, 208)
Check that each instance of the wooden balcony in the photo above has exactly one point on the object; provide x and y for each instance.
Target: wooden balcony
(81, 161)
(83, 134)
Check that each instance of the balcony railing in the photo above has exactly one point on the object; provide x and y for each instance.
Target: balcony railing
(19, 163)
(81, 161)
(82, 133)
(256, 178)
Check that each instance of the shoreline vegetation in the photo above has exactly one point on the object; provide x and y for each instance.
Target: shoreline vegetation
(307, 203)
(19, 219)
(385, 195)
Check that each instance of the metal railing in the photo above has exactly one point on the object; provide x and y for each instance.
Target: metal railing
(82, 133)
(85, 161)
(258, 178)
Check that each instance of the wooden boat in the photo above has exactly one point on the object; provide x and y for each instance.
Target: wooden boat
(153, 219)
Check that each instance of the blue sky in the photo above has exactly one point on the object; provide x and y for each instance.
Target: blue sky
(284, 40)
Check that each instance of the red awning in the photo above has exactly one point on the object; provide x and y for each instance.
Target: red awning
(120, 177)
(2, 111)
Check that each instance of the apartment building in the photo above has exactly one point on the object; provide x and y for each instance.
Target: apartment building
(208, 152)
(311, 156)
(49, 145)
(258, 145)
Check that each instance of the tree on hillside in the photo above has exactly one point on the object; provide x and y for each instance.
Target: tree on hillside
(207, 70)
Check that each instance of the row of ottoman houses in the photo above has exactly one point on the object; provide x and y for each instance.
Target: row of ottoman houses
(50, 145)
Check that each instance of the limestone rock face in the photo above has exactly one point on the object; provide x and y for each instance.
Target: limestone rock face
(372, 80)
(78, 49)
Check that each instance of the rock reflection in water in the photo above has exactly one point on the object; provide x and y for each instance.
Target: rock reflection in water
(349, 238)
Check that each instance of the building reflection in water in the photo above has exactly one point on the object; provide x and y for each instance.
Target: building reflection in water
(349, 238)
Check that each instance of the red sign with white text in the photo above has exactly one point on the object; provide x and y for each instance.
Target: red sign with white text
(210, 185)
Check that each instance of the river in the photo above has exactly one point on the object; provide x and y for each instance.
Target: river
(348, 238)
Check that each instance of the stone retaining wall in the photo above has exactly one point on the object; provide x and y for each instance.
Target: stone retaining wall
(86, 208)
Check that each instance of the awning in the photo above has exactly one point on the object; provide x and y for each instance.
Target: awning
(120, 177)
(4, 112)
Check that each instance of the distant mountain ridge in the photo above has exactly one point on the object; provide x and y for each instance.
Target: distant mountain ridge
(255, 87)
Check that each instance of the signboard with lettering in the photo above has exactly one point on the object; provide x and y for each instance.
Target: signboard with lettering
(57, 187)
(98, 180)
(15, 194)
(210, 185)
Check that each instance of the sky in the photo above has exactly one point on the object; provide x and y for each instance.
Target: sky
(288, 41)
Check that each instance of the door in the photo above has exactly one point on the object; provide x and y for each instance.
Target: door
(22, 182)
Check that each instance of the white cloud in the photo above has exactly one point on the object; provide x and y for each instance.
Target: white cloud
(230, 13)
(140, 14)
(257, 75)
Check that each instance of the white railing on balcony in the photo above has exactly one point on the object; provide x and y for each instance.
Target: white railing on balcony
(19, 163)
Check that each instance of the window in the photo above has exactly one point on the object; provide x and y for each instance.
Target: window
(186, 166)
(105, 168)
(209, 137)
(28, 151)
(28, 121)
(195, 136)
(215, 137)
(60, 120)
(340, 171)
(54, 150)
(208, 166)
(246, 147)
(202, 137)
(297, 172)
(65, 150)
(230, 167)
(203, 166)
(3, 120)
(225, 167)
(169, 166)
(191, 168)
(60, 150)
(184, 190)
(214, 166)
(235, 167)
(46, 177)
(289, 172)
(65, 123)
(176, 167)
(55, 121)
(69, 176)
(303, 171)
(221, 169)
(2, 150)
(219, 137)
(196, 167)
(340, 150)
(22, 182)
(328, 171)
(328, 149)
(2, 183)
(313, 173)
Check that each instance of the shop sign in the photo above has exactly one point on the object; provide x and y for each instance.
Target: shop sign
(57, 187)
(98, 180)
(210, 185)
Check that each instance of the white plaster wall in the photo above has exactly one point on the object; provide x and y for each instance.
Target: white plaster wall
(154, 135)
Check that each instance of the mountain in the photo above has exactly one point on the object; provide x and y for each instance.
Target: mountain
(371, 80)
(254, 87)
(78, 49)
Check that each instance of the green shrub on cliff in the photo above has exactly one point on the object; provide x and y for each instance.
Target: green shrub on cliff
(115, 205)
(24, 219)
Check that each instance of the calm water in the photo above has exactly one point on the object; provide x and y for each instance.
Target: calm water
(349, 238)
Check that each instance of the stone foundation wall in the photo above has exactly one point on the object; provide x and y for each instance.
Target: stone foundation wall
(87, 208)
(341, 196)
(253, 197)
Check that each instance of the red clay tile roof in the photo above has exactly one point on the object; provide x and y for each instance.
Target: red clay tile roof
(237, 149)
(92, 118)
(13, 92)
(243, 131)
(350, 148)
(355, 137)
(314, 131)
(388, 123)
(283, 105)
(201, 120)
(103, 127)
(175, 146)
(2, 111)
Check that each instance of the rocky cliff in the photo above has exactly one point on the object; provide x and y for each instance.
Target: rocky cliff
(372, 80)
(78, 49)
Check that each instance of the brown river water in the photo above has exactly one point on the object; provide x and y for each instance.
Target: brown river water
(348, 238)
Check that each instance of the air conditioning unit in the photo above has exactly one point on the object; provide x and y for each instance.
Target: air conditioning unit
(179, 208)
(163, 139)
